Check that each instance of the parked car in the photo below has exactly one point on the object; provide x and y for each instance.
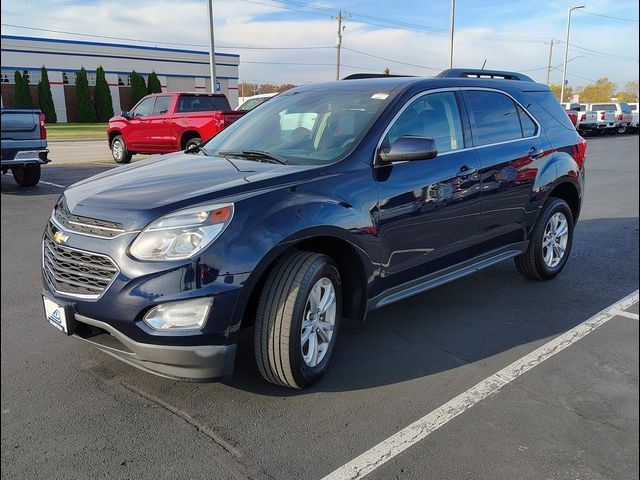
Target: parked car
(633, 127)
(162, 263)
(168, 122)
(24, 145)
(621, 112)
(252, 102)
(587, 123)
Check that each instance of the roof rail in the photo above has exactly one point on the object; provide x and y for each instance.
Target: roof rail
(356, 76)
(478, 73)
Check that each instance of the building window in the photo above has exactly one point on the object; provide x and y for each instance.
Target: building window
(91, 79)
(7, 76)
(69, 78)
(32, 76)
(124, 80)
(25, 75)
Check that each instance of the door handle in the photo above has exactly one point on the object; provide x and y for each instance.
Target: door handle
(535, 152)
(466, 171)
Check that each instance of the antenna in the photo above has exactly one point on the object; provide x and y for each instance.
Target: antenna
(483, 64)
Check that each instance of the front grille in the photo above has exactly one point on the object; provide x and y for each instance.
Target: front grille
(86, 225)
(76, 272)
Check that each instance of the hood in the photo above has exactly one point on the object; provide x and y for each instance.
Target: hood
(138, 193)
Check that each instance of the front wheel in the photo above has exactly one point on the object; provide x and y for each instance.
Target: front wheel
(192, 142)
(297, 319)
(119, 150)
(26, 176)
(550, 242)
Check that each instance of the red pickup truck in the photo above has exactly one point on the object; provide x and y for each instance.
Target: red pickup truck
(168, 122)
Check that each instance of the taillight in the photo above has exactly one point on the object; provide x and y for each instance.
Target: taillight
(43, 130)
(580, 152)
(603, 115)
(583, 117)
(620, 117)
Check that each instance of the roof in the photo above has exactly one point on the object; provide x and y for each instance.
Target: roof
(112, 45)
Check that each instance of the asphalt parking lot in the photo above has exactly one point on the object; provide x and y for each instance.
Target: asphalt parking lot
(69, 411)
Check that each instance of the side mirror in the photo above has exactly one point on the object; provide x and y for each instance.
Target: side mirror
(126, 114)
(409, 148)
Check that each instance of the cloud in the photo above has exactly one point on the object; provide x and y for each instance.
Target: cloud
(508, 35)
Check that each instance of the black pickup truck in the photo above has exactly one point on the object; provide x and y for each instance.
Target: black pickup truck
(24, 144)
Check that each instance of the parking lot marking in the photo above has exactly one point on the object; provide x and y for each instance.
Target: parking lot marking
(52, 184)
(631, 315)
(410, 435)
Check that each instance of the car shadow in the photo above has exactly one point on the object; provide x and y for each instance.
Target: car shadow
(54, 179)
(470, 320)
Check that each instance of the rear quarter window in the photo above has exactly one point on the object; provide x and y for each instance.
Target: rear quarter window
(549, 103)
(201, 103)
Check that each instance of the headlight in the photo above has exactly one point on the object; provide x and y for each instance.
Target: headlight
(182, 234)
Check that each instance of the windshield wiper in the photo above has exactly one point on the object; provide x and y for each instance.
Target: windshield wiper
(259, 154)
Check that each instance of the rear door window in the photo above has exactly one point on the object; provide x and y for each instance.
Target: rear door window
(493, 117)
(201, 103)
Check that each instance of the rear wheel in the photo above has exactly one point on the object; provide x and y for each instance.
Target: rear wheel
(550, 243)
(621, 129)
(297, 320)
(26, 176)
(119, 150)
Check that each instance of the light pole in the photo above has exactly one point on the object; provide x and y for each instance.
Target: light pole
(566, 51)
(453, 15)
(212, 53)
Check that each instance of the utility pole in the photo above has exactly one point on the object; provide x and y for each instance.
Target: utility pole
(566, 51)
(212, 53)
(549, 64)
(341, 28)
(453, 16)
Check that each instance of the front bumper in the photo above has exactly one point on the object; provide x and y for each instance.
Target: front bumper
(198, 363)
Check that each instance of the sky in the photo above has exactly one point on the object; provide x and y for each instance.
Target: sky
(293, 41)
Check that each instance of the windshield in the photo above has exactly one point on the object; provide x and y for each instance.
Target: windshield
(313, 128)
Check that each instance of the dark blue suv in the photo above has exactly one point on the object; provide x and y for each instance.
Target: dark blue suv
(325, 202)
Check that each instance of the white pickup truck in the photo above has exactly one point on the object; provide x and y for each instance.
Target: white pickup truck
(605, 119)
(622, 115)
(634, 117)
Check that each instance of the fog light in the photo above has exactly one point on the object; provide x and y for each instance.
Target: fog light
(182, 315)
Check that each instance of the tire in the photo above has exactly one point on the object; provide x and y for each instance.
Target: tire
(192, 142)
(284, 303)
(119, 150)
(26, 176)
(533, 264)
(621, 130)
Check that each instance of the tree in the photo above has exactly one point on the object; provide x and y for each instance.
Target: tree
(630, 92)
(86, 108)
(45, 98)
(104, 102)
(138, 87)
(601, 91)
(21, 94)
(568, 92)
(153, 85)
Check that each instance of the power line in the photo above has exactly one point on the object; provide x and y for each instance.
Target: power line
(609, 16)
(392, 60)
(108, 37)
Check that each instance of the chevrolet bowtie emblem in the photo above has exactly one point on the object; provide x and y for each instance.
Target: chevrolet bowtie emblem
(60, 237)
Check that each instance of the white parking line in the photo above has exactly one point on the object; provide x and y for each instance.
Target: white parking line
(52, 184)
(631, 315)
(410, 435)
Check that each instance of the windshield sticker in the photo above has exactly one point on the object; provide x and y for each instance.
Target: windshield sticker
(380, 96)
